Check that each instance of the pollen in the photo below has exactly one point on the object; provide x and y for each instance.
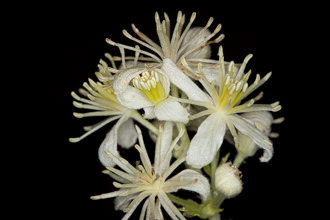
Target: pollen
(149, 85)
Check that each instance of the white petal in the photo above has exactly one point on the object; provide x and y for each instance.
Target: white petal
(248, 128)
(149, 112)
(165, 151)
(262, 119)
(132, 98)
(127, 135)
(207, 141)
(169, 110)
(189, 180)
(158, 211)
(109, 144)
(122, 79)
(178, 78)
(166, 138)
(122, 202)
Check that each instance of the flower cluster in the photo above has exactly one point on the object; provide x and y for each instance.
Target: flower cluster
(170, 88)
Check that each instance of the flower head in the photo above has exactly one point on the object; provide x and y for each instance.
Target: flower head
(224, 109)
(191, 43)
(151, 183)
(184, 42)
(100, 98)
(148, 88)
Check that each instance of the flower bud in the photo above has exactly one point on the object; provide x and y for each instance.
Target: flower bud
(194, 42)
(227, 180)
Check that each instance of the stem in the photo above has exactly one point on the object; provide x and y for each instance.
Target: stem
(214, 166)
(174, 90)
(138, 117)
(185, 203)
(215, 217)
(239, 158)
(218, 198)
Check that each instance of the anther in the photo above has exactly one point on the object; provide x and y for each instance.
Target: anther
(227, 80)
(145, 85)
(245, 87)
(239, 85)
(231, 89)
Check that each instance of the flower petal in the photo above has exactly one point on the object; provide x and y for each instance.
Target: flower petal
(127, 135)
(169, 110)
(249, 129)
(123, 79)
(132, 98)
(163, 152)
(109, 144)
(207, 141)
(189, 180)
(178, 78)
(166, 139)
(122, 202)
(149, 112)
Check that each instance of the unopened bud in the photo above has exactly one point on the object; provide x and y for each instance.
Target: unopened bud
(228, 180)
(197, 42)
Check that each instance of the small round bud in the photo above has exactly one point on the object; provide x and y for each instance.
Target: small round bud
(199, 41)
(227, 180)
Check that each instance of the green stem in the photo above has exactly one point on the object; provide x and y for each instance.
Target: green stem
(214, 166)
(138, 117)
(189, 205)
(174, 90)
(239, 158)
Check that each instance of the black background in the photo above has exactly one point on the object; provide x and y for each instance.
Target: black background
(70, 40)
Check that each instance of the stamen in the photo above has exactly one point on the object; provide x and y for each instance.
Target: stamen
(278, 120)
(245, 87)
(238, 85)
(133, 49)
(150, 86)
(142, 43)
(227, 80)
(136, 83)
(147, 39)
(163, 39)
(242, 68)
(95, 128)
(146, 162)
(231, 89)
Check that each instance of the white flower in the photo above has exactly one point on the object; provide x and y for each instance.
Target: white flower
(150, 91)
(99, 98)
(151, 183)
(223, 113)
(190, 43)
(183, 42)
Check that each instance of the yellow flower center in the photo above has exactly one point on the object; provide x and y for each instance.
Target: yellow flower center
(232, 92)
(150, 86)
